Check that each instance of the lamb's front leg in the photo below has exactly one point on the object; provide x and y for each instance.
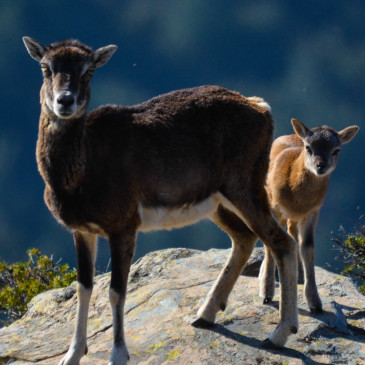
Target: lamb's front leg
(268, 273)
(121, 251)
(86, 245)
(306, 249)
(267, 277)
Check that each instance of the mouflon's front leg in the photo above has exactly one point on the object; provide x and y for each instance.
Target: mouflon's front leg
(86, 246)
(121, 250)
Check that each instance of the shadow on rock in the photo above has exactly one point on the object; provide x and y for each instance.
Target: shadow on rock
(253, 342)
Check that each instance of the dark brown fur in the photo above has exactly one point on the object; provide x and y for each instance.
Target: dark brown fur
(173, 150)
(190, 154)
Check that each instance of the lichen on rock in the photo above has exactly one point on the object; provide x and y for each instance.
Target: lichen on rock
(165, 291)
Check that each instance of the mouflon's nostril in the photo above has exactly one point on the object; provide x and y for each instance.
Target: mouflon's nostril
(65, 100)
(321, 167)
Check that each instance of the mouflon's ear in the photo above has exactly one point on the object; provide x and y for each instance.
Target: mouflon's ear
(299, 128)
(35, 49)
(103, 55)
(347, 134)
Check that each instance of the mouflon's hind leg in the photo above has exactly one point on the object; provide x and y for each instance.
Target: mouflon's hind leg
(250, 200)
(121, 251)
(86, 246)
(284, 250)
(306, 249)
(243, 241)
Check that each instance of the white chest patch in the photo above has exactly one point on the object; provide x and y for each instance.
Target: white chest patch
(164, 218)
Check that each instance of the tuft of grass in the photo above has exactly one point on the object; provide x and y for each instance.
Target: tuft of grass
(352, 247)
(21, 281)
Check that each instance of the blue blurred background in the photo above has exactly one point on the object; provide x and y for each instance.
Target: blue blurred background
(307, 59)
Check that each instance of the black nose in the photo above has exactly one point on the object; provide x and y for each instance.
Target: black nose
(321, 167)
(321, 164)
(65, 100)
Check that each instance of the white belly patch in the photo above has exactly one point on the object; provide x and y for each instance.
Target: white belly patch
(165, 218)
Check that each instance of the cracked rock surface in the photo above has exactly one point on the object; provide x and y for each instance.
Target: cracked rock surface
(165, 291)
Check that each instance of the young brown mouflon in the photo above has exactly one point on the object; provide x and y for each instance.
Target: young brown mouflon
(299, 173)
(165, 163)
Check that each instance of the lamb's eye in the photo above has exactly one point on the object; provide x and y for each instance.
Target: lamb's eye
(335, 152)
(309, 150)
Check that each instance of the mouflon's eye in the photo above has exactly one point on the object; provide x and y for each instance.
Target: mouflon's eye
(90, 71)
(44, 67)
(308, 150)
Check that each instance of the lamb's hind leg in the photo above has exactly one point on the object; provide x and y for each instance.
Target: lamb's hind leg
(86, 244)
(243, 241)
(121, 250)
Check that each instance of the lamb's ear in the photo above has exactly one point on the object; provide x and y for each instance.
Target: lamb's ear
(347, 134)
(35, 49)
(299, 128)
(103, 55)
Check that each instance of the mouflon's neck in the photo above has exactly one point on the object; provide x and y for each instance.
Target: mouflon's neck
(60, 151)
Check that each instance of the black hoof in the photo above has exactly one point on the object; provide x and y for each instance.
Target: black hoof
(86, 350)
(202, 323)
(316, 310)
(294, 330)
(267, 300)
(267, 344)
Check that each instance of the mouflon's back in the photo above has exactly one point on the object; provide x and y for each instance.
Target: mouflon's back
(192, 136)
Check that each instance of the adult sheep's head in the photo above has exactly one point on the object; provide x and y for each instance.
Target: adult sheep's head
(67, 68)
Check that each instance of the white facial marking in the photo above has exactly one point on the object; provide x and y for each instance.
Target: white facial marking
(62, 111)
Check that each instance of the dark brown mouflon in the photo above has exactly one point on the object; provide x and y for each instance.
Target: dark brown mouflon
(171, 161)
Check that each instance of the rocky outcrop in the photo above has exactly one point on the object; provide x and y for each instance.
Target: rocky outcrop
(165, 291)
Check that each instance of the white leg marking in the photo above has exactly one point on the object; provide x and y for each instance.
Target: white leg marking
(119, 354)
(78, 345)
(218, 295)
(288, 270)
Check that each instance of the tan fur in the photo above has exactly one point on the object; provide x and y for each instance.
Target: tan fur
(299, 173)
(293, 190)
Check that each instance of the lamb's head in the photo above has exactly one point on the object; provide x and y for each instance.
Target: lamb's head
(322, 146)
(67, 68)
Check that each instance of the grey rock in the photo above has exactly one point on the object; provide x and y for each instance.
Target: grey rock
(165, 291)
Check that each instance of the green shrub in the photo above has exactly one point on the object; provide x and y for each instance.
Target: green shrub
(353, 254)
(21, 281)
